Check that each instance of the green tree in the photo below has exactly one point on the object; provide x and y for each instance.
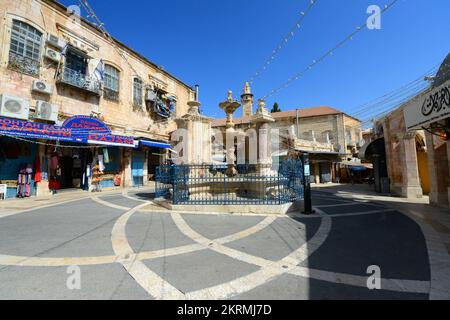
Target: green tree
(276, 108)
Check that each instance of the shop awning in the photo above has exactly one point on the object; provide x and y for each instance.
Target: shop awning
(357, 166)
(78, 129)
(371, 149)
(155, 144)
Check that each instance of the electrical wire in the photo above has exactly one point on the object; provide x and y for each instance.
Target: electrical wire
(283, 42)
(324, 56)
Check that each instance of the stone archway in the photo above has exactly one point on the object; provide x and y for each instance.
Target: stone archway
(422, 162)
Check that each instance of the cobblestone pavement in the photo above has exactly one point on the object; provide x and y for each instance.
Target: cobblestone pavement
(128, 248)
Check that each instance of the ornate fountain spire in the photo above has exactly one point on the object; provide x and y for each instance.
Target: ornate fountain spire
(229, 106)
(247, 100)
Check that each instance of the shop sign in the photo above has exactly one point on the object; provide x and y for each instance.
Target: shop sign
(35, 130)
(79, 129)
(85, 123)
(429, 108)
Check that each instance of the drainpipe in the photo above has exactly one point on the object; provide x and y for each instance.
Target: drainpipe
(297, 124)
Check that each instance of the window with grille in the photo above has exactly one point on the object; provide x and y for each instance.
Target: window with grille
(137, 92)
(25, 48)
(111, 83)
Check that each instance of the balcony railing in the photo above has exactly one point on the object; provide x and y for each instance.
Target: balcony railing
(111, 95)
(23, 64)
(80, 80)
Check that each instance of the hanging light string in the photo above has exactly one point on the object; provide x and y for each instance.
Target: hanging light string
(324, 56)
(101, 26)
(283, 42)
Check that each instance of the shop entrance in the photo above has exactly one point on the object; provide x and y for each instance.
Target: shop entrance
(155, 156)
(325, 172)
(137, 168)
(66, 164)
(67, 168)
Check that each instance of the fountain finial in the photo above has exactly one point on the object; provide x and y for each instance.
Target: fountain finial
(247, 89)
(262, 106)
(230, 96)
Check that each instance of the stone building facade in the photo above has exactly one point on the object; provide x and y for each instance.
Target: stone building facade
(329, 135)
(42, 41)
(412, 143)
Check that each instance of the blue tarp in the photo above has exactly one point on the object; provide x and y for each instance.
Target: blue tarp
(155, 144)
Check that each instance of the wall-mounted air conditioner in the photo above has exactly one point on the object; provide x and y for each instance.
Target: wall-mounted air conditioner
(46, 111)
(150, 96)
(52, 54)
(56, 42)
(42, 87)
(14, 107)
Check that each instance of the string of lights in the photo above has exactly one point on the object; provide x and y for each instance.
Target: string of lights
(101, 26)
(291, 34)
(327, 54)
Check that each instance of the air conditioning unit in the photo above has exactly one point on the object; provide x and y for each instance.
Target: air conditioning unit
(150, 96)
(56, 42)
(52, 55)
(46, 111)
(42, 87)
(13, 107)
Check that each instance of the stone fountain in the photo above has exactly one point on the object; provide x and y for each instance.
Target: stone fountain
(230, 106)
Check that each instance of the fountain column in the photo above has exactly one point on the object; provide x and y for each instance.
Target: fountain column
(262, 120)
(196, 131)
(230, 106)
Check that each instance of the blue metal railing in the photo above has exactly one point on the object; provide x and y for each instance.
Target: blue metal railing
(210, 184)
(80, 80)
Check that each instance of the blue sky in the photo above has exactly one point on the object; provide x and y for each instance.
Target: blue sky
(221, 44)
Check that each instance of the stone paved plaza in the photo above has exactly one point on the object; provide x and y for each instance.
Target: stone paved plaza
(128, 248)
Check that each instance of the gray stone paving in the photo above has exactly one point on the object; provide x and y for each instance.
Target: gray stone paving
(209, 255)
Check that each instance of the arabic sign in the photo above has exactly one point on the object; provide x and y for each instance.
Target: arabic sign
(78, 129)
(429, 108)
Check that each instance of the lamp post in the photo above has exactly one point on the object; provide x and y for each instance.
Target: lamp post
(307, 185)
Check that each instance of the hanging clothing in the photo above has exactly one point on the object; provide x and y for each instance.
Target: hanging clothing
(54, 161)
(37, 169)
(101, 165)
(106, 155)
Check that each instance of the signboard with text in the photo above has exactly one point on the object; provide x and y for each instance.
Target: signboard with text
(431, 107)
(79, 129)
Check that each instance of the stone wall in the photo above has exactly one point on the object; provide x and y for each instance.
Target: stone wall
(48, 17)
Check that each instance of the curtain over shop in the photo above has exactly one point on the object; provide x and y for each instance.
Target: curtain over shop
(77, 129)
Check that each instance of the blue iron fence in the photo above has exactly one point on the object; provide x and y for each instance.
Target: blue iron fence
(210, 184)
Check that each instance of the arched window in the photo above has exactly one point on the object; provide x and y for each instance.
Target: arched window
(137, 92)
(111, 83)
(25, 49)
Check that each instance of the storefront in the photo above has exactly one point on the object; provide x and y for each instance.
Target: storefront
(431, 113)
(17, 167)
(148, 156)
(41, 158)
